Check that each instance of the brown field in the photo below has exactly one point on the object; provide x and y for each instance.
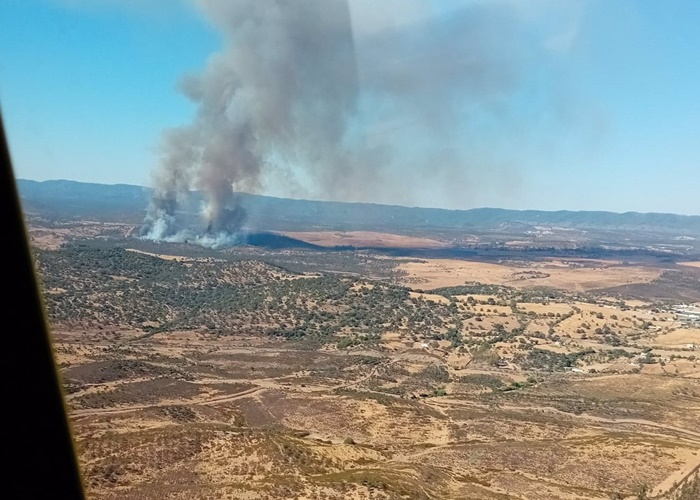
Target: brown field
(188, 415)
(691, 264)
(314, 424)
(192, 377)
(46, 237)
(430, 296)
(363, 239)
(437, 273)
(546, 308)
(679, 338)
(178, 258)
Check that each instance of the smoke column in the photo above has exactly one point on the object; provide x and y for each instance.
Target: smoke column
(284, 87)
(361, 110)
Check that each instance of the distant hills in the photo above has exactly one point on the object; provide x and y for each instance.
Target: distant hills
(62, 198)
(71, 198)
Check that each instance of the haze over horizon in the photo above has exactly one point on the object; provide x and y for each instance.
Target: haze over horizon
(583, 106)
(407, 206)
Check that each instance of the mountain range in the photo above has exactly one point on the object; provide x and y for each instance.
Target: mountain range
(123, 202)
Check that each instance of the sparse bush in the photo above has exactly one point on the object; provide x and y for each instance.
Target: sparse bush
(435, 373)
(439, 391)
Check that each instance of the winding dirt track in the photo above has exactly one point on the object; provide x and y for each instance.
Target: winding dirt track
(661, 490)
(204, 402)
(263, 384)
(665, 487)
(676, 480)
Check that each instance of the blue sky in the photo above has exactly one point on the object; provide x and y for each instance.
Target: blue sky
(606, 115)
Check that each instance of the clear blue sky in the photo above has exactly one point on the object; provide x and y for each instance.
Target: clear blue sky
(86, 88)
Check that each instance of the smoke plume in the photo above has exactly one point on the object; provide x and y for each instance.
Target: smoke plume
(333, 100)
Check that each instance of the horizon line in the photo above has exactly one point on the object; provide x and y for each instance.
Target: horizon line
(630, 212)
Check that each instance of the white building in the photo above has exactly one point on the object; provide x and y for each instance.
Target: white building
(688, 314)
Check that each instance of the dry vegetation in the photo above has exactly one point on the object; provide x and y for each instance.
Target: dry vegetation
(575, 275)
(202, 377)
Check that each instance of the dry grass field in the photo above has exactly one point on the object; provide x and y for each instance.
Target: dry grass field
(575, 275)
(188, 416)
(239, 377)
(53, 236)
(178, 258)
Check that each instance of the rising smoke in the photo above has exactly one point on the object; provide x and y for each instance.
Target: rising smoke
(356, 109)
(284, 89)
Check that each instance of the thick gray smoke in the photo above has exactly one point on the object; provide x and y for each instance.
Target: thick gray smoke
(336, 102)
(283, 90)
